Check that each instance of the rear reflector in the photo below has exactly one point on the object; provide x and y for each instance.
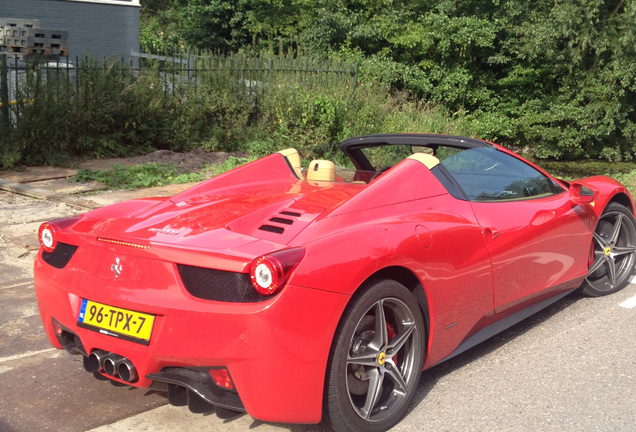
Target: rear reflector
(222, 378)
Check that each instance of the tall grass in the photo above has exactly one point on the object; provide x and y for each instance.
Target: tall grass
(105, 109)
(316, 120)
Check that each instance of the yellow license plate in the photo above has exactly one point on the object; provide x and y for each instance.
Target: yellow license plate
(117, 322)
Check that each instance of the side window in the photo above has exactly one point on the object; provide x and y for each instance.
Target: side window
(486, 174)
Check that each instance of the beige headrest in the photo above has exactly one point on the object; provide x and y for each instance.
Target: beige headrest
(321, 170)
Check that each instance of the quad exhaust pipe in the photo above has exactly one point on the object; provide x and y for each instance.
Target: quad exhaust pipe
(96, 360)
(113, 365)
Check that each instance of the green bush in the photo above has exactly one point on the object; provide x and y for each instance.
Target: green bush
(316, 120)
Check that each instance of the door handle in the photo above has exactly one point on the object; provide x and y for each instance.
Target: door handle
(491, 233)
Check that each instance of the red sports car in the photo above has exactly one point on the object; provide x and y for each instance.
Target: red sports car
(305, 295)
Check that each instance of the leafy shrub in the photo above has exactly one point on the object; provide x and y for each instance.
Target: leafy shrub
(315, 120)
(230, 163)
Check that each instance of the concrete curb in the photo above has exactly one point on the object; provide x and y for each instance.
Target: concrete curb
(34, 192)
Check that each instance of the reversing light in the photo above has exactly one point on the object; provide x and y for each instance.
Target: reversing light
(48, 230)
(269, 273)
(222, 378)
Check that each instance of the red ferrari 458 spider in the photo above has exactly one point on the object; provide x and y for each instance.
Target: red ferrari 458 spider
(300, 295)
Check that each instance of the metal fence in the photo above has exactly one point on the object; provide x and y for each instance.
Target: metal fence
(250, 73)
(16, 73)
(179, 73)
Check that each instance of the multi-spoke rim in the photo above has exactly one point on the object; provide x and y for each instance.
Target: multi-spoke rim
(381, 362)
(614, 252)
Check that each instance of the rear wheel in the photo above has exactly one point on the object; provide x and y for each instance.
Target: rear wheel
(376, 359)
(613, 252)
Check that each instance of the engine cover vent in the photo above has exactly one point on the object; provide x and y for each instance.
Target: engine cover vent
(272, 229)
(280, 220)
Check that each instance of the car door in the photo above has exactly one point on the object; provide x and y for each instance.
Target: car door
(537, 238)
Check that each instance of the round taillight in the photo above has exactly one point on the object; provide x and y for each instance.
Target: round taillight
(266, 274)
(269, 272)
(46, 235)
(48, 232)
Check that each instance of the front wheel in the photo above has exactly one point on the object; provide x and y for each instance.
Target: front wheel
(613, 252)
(376, 359)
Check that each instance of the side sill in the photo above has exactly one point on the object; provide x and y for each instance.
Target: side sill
(499, 326)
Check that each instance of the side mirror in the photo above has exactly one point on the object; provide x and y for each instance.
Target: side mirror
(581, 194)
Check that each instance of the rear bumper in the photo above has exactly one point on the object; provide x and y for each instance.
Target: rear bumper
(275, 351)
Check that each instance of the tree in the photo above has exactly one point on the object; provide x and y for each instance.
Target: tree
(558, 76)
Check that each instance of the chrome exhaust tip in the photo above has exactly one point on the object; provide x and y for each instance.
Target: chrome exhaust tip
(126, 370)
(96, 360)
(111, 364)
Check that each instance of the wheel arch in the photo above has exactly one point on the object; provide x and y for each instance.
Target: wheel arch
(407, 278)
(610, 191)
(611, 281)
(622, 199)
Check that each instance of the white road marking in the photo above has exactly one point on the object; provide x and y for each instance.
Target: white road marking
(630, 303)
(17, 285)
(24, 355)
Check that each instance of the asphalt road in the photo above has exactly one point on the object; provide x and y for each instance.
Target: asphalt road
(572, 367)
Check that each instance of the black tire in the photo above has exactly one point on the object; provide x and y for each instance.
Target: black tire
(613, 252)
(379, 345)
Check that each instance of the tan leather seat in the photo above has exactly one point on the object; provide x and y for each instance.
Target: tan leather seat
(292, 156)
(321, 170)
